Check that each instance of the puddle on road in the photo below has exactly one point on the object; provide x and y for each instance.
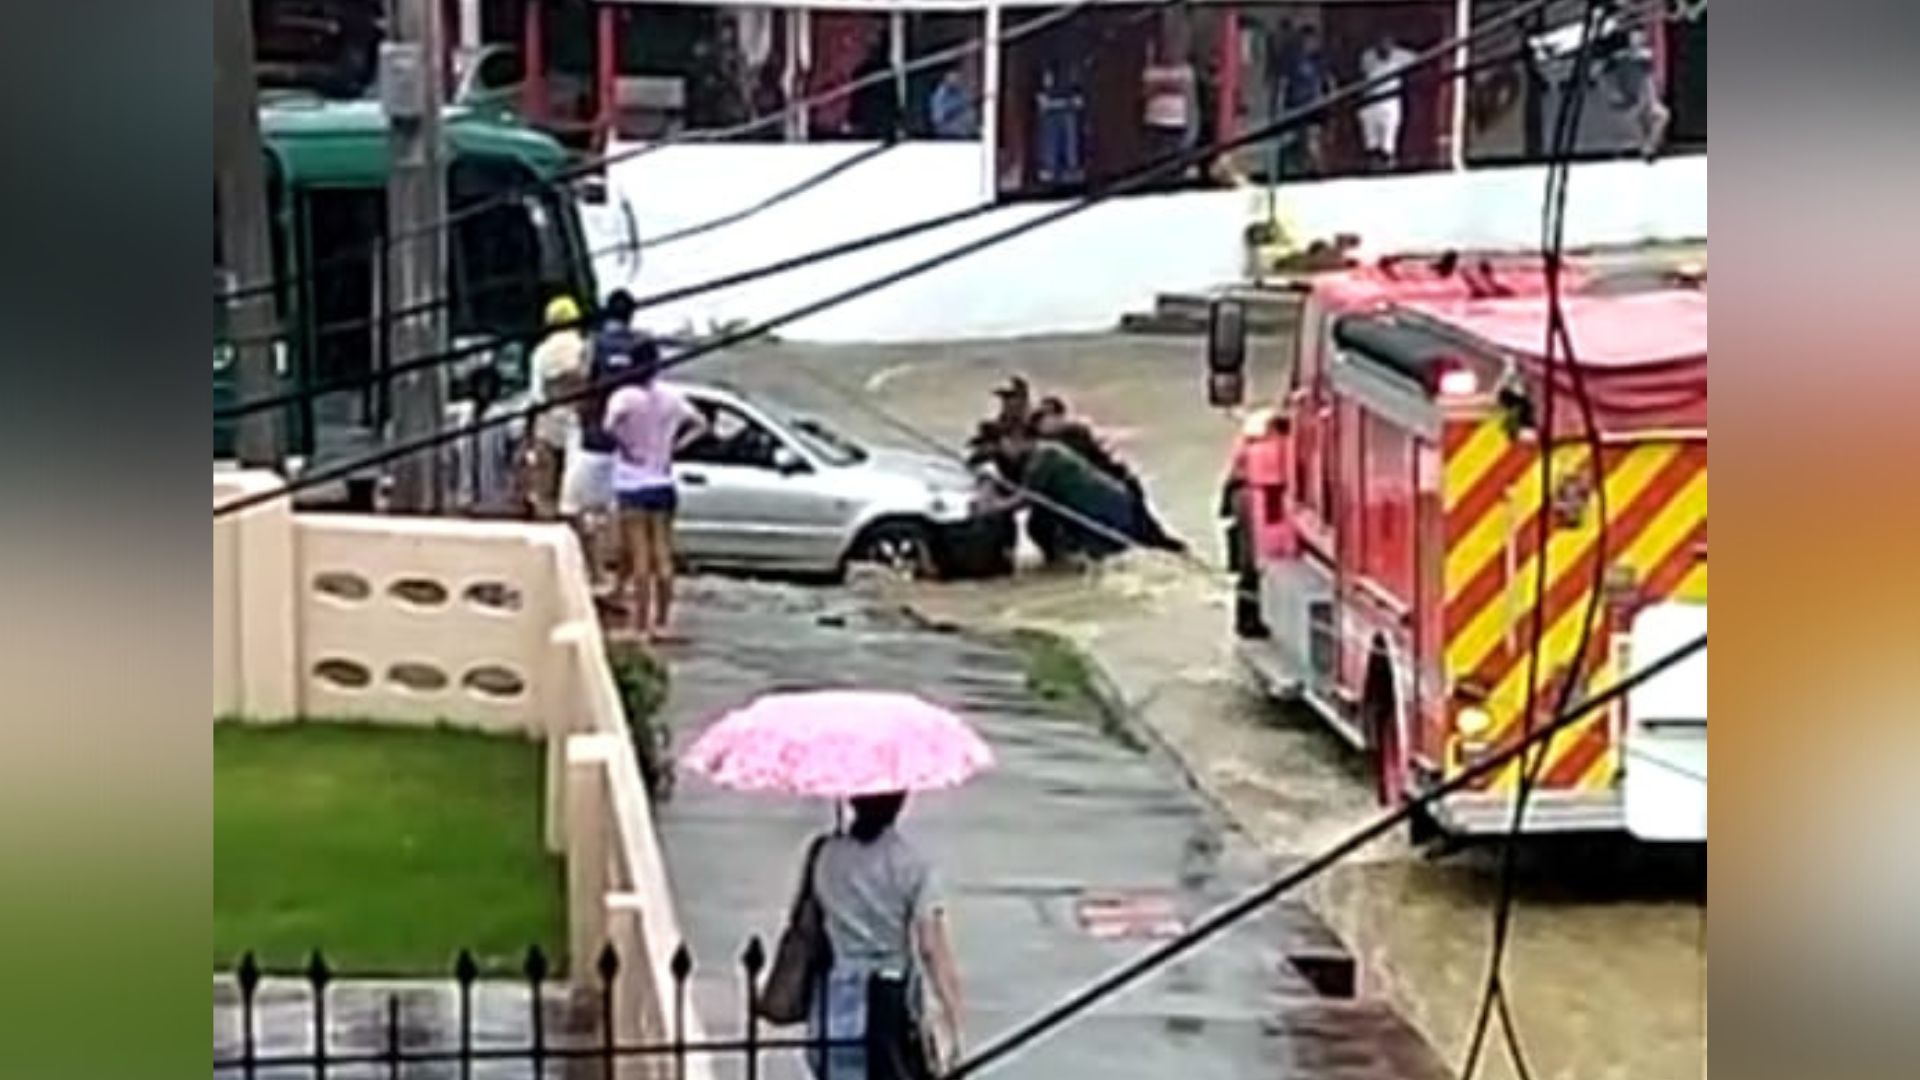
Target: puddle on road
(1607, 976)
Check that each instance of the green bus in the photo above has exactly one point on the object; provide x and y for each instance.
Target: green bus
(326, 167)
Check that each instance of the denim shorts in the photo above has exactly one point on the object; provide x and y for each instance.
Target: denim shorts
(659, 500)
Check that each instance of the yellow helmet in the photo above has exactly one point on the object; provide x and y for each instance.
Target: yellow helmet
(562, 311)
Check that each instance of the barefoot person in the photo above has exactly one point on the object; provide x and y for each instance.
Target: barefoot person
(648, 422)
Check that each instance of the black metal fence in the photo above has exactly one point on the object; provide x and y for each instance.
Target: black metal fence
(582, 1041)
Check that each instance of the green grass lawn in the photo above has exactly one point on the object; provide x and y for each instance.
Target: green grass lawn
(389, 849)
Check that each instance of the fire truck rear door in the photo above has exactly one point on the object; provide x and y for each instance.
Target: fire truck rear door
(1665, 741)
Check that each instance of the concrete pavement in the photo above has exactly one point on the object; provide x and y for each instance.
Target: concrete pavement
(1060, 864)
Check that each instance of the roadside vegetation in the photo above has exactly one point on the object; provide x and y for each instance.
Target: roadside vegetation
(1059, 672)
(642, 681)
(389, 848)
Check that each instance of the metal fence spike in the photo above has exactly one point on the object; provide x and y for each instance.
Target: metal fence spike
(465, 968)
(755, 956)
(608, 963)
(318, 973)
(248, 973)
(393, 1036)
(682, 965)
(536, 967)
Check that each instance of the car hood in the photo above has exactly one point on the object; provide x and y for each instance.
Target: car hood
(933, 470)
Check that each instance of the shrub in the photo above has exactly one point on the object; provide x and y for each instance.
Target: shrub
(642, 682)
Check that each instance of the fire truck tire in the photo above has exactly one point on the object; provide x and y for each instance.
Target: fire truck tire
(1377, 710)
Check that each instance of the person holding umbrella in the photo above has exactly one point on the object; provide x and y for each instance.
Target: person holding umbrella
(867, 937)
(887, 930)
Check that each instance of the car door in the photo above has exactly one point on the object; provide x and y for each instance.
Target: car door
(749, 496)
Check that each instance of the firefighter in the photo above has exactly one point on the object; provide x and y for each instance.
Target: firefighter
(1274, 430)
(1098, 518)
(1052, 422)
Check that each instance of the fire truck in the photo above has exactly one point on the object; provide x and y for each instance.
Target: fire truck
(1385, 527)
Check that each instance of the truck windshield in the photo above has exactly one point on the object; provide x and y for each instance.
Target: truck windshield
(509, 257)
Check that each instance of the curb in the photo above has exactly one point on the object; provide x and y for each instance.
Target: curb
(1324, 960)
(1320, 957)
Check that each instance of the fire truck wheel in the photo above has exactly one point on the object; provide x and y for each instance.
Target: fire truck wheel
(1377, 715)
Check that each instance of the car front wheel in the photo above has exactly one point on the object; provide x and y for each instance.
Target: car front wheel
(902, 548)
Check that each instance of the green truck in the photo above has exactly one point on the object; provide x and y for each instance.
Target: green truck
(326, 168)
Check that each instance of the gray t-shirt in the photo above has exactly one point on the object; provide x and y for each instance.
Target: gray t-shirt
(871, 895)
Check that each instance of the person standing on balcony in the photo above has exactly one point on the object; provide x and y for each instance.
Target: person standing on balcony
(874, 110)
(1300, 76)
(649, 423)
(1380, 116)
(887, 927)
(951, 108)
(1172, 114)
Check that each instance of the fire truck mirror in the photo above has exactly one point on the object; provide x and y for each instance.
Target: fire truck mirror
(1226, 352)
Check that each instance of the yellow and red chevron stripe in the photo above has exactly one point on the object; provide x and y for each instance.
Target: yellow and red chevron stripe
(1492, 495)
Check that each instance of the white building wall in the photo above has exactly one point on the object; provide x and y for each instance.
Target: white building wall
(1077, 275)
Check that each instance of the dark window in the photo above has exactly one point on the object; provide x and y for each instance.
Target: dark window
(508, 258)
(732, 439)
(500, 70)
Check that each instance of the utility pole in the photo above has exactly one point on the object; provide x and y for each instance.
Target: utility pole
(246, 252)
(411, 63)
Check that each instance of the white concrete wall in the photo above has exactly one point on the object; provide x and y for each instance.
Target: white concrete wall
(296, 593)
(1080, 274)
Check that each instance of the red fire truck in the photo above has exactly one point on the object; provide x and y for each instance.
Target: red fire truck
(1385, 533)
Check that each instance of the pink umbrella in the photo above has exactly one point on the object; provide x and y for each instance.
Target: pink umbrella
(839, 743)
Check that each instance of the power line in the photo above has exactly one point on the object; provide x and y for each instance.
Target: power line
(1494, 1000)
(1303, 115)
(1127, 182)
(717, 134)
(1222, 917)
(792, 191)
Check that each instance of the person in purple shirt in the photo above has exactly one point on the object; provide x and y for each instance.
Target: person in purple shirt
(648, 423)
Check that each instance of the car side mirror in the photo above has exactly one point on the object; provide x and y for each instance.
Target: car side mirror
(787, 462)
(1226, 353)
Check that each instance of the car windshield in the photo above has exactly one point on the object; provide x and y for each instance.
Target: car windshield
(824, 442)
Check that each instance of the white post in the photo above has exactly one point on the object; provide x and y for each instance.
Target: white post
(990, 103)
(897, 57)
(1457, 123)
(799, 54)
(589, 833)
(469, 24)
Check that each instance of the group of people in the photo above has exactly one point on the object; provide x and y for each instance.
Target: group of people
(605, 464)
(1081, 500)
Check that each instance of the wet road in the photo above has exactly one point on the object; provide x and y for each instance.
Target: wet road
(1608, 960)
(1074, 854)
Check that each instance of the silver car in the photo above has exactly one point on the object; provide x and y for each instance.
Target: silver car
(769, 488)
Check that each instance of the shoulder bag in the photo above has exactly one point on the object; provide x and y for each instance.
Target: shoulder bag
(803, 956)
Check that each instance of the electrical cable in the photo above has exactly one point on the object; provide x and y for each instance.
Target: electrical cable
(1495, 1001)
(1127, 182)
(978, 43)
(809, 183)
(1220, 918)
(1302, 115)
